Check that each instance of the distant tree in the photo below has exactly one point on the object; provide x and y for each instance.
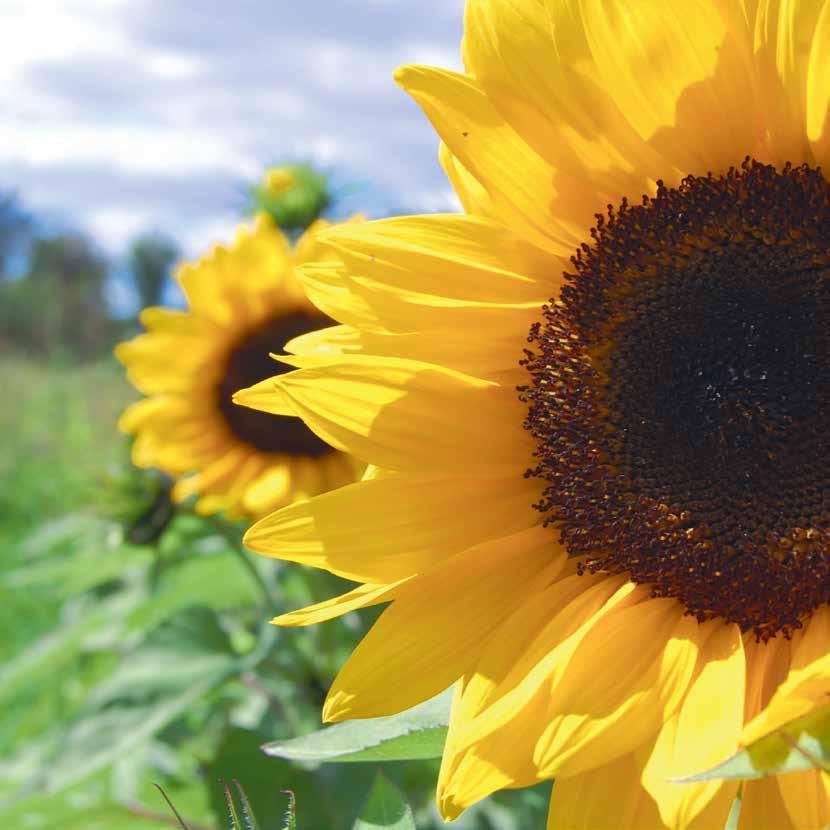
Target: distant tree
(150, 259)
(58, 306)
(15, 230)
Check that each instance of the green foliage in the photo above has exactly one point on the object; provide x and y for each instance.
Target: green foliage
(803, 743)
(386, 808)
(133, 661)
(290, 820)
(418, 733)
(59, 440)
(295, 196)
(149, 261)
(57, 309)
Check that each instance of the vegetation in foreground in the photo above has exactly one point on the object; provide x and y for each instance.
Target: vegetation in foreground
(141, 658)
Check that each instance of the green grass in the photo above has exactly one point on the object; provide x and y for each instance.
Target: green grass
(59, 438)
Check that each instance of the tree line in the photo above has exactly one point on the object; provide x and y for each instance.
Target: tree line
(53, 286)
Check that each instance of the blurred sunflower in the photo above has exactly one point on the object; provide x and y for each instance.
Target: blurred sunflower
(622, 561)
(244, 302)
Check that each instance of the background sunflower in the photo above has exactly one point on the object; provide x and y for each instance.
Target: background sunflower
(244, 303)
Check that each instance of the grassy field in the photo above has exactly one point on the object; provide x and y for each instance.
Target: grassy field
(58, 442)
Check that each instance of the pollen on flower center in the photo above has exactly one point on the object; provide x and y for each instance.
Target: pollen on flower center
(680, 396)
(248, 363)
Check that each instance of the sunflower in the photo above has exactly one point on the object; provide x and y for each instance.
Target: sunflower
(243, 303)
(597, 409)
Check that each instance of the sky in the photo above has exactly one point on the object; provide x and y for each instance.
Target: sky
(122, 116)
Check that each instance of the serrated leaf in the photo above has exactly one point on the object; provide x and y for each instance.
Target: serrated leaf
(800, 744)
(290, 820)
(245, 807)
(233, 818)
(328, 798)
(385, 808)
(418, 733)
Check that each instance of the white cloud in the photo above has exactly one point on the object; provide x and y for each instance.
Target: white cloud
(117, 226)
(437, 201)
(36, 30)
(171, 65)
(197, 101)
(133, 149)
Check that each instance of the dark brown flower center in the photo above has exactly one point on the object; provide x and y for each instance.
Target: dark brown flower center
(680, 396)
(248, 363)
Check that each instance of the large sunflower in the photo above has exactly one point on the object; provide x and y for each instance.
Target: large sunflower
(243, 303)
(597, 409)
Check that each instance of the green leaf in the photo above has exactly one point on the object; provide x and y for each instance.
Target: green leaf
(801, 744)
(385, 808)
(186, 649)
(212, 580)
(40, 662)
(181, 661)
(326, 798)
(245, 807)
(233, 818)
(290, 820)
(101, 738)
(418, 733)
(76, 554)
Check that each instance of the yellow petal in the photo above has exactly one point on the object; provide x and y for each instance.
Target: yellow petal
(818, 87)
(269, 491)
(139, 413)
(804, 690)
(519, 182)
(416, 523)
(490, 358)
(470, 772)
(705, 731)
(379, 409)
(361, 597)
(678, 71)
(156, 318)
(500, 714)
(767, 665)
(805, 797)
(784, 32)
(763, 808)
(473, 197)
(489, 263)
(813, 641)
(216, 475)
(650, 54)
(438, 624)
(533, 61)
(326, 287)
(624, 681)
(266, 396)
(375, 306)
(609, 797)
